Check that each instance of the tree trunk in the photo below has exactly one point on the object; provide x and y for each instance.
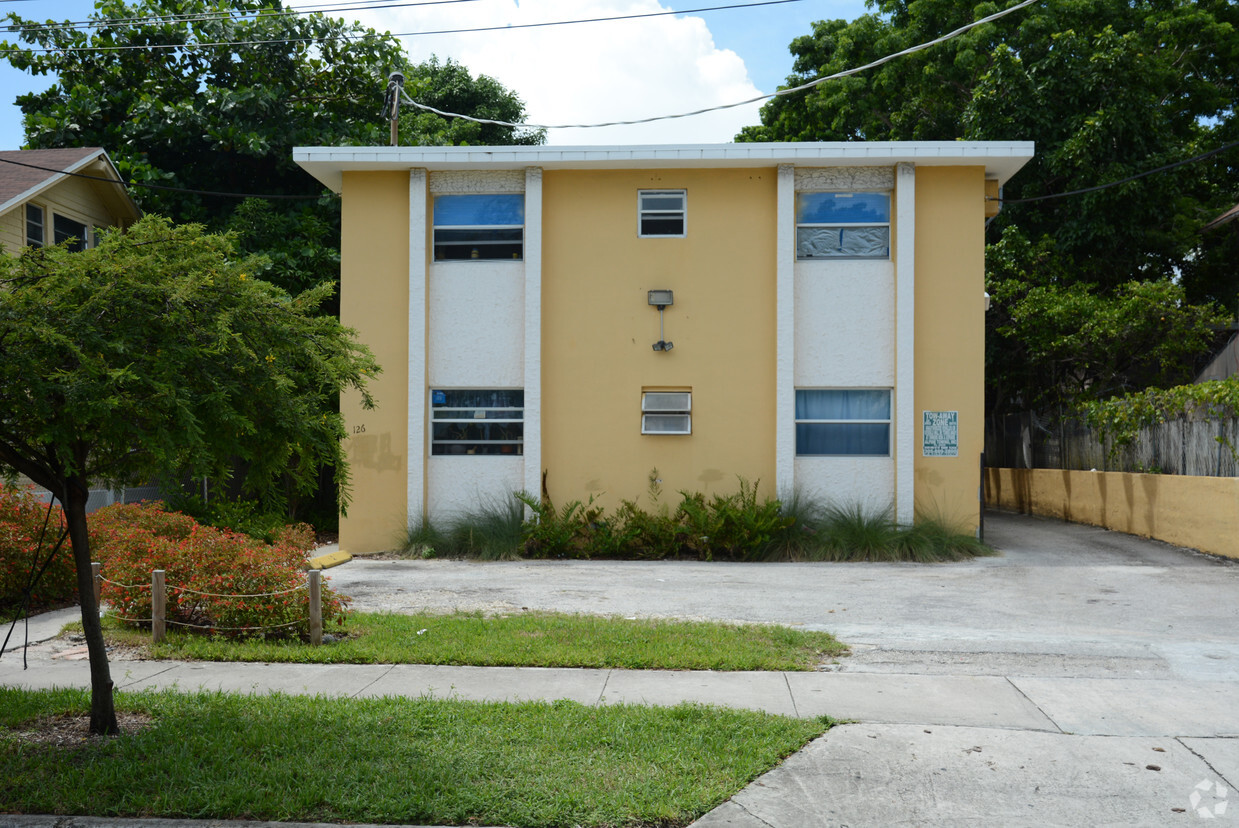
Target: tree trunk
(102, 710)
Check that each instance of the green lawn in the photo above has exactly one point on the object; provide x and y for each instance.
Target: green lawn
(525, 640)
(219, 756)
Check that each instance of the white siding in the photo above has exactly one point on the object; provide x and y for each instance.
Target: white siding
(845, 324)
(475, 338)
(477, 325)
(464, 484)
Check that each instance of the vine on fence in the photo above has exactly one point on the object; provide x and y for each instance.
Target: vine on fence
(1121, 418)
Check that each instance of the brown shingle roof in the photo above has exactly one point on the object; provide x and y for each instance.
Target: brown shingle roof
(15, 179)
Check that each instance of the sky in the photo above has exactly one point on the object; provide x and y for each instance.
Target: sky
(584, 73)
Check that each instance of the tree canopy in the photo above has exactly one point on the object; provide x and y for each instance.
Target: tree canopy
(1106, 88)
(158, 350)
(148, 82)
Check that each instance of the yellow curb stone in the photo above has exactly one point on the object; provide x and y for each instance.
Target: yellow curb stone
(329, 560)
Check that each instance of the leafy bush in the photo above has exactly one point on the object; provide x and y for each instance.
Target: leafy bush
(734, 527)
(219, 581)
(245, 516)
(22, 521)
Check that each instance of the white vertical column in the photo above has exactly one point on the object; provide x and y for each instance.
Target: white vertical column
(533, 331)
(785, 334)
(905, 341)
(418, 274)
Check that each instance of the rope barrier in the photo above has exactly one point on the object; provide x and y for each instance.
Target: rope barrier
(254, 595)
(208, 626)
(124, 586)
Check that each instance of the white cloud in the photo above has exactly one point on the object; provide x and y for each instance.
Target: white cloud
(591, 72)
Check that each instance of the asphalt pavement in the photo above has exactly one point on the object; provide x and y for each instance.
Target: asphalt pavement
(1082, 677)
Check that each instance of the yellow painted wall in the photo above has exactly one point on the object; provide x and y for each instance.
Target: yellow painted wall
(598, 331)
(1197, 512)
(374, 300)
(950, 336)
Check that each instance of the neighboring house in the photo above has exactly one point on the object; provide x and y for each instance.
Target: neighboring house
(45, 198)
(810, 316)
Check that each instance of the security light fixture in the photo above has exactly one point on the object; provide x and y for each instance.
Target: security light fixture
(661, 299)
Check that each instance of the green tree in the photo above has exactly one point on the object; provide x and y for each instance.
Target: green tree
(159, 350)
(1106, 89)
(179, 112)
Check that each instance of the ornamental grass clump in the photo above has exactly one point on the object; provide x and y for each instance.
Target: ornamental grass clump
(28, 534)
(218, 582)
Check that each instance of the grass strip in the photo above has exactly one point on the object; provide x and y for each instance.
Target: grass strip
(228, 756)
(524, 640)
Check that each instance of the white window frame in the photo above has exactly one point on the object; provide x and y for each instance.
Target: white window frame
(843, 225)
(478, 246)
(643, 213)
(889, 422)
(41, 224)
(668, 406)
(478, 413)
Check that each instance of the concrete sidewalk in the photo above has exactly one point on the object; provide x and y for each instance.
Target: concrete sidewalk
(1112, 733)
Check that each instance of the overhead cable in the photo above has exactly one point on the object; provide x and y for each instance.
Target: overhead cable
(779, 93)
(235, 14)
(1129, 178)
(275, 41)
(164, 187)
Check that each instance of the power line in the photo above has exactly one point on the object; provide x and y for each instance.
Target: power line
(780, 93)
(1126, 180)
(234, 43)
(124, 185)
(239, 15)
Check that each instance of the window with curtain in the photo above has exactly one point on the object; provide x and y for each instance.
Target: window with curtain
(851, 421)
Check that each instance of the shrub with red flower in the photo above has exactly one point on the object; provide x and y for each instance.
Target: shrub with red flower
(22, 520)
(217, 581)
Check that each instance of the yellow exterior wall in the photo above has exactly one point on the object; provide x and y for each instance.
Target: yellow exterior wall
(598, 331)
(950, 336)
(374, 300)
(1197, 512)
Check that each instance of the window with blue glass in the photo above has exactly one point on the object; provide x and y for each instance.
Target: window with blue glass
(843, 225)
(848, 421)
(477, 421)
(479, 226)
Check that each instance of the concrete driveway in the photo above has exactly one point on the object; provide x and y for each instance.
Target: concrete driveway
(1083, 677)
(1062, 600)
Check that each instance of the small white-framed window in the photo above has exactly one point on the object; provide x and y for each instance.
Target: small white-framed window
(65, 229)
(477, 421)
(479, 226)
(843, 421)
(662, 213)
(666, 412)
(843, 225)
(36, 221)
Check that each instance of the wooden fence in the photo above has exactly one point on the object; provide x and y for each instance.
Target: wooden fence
(1186, 446)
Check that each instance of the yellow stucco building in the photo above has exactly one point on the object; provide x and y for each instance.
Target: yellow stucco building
(809, 316)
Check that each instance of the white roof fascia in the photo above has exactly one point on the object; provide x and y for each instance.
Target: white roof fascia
(1001, 159)
(55, 178)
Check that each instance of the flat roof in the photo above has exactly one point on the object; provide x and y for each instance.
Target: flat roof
(1001, 159)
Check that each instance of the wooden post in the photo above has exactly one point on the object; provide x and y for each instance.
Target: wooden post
(158, 606)
(96, 578)
(316, 607)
